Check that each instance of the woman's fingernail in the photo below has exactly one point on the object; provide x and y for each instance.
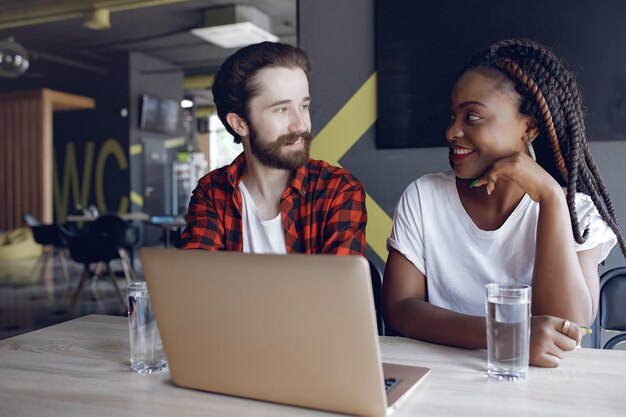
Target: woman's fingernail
(473, 184)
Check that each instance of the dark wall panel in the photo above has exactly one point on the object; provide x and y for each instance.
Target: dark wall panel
(420, 52)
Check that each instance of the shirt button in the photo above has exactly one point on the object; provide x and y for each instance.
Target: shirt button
(302, 192)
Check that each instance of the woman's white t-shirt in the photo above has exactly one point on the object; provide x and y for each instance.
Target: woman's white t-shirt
(432, 230)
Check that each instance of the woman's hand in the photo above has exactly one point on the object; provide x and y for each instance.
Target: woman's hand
(550, 338)
(526, 173)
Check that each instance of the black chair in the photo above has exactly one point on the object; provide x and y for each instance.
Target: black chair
(88, 249)
(377, 288)
(49, 236)
(611, 308)
(124, 235)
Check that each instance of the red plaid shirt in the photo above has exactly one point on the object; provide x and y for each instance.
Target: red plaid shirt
(322, 211)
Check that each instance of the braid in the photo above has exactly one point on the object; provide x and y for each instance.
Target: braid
(550, 94)
(514, 69)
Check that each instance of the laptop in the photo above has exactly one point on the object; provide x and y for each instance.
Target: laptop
(291, 329)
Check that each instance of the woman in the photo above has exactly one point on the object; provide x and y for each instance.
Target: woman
(516, 137)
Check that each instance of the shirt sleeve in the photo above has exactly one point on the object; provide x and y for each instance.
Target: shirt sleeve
(407, 231)
(205, 229)
(344, 232)
(599, 232)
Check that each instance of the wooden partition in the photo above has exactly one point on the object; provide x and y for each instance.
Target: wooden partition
(26, 152)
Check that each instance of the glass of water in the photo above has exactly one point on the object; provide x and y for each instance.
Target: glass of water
(146, 350)
(508, 330)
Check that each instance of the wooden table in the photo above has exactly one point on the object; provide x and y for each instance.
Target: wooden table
(81, 368)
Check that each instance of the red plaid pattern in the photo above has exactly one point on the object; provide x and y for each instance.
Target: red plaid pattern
(322, 210)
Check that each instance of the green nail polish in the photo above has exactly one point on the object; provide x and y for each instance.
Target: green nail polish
(473, 183)
(586, 330)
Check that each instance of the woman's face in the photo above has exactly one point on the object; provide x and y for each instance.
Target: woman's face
(485, 122)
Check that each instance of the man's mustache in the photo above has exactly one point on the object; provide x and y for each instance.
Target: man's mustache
(290, 138)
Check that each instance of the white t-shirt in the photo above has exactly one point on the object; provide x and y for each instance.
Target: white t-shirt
(260, 236)
(432, 230)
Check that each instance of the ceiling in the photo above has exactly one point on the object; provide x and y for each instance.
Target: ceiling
(161, 31)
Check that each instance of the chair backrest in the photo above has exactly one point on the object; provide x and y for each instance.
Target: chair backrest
(113, 225)
(612, 299)
(87, 248)
(44, 234)
(377, 288)
(611, 308)
(30, 220)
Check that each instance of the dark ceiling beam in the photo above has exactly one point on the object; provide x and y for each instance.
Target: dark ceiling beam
(44, 56)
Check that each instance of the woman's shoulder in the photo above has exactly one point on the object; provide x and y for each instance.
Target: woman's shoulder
(584, 204)
(599, 231)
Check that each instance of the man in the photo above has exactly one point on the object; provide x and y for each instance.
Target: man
(273, 198)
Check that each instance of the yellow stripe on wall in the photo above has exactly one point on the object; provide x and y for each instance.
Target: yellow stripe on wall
(205, 111)
(136, 198)
(136, 149)
(174, 142)
(196, 82)
(336, 139)
(348, 125)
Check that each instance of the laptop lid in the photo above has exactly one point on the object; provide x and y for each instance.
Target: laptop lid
(293, 329)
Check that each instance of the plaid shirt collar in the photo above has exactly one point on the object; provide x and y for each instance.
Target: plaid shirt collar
(299, 181)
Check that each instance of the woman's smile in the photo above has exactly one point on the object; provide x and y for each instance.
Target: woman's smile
(459, 153)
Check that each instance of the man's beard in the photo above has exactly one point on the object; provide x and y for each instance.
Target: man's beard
(274, 155)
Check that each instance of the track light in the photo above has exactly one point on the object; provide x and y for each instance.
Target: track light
(13, 59)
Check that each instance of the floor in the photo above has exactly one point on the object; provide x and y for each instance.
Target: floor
(31, 300)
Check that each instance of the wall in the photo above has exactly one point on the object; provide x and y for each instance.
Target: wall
(339, 37)
(99, 154)
(152, 153)
(24, 145)
(91, 162)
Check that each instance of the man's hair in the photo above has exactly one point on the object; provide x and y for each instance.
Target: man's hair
(234, 84)
(549, 93)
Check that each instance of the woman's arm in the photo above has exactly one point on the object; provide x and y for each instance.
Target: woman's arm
(406, 311)
(565, 284)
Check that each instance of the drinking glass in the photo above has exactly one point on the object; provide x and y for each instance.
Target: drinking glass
(146, 349)
(508, 330)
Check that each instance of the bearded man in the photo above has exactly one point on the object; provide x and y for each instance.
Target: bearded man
(273, 198)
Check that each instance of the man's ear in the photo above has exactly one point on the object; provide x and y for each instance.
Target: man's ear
(238, 124)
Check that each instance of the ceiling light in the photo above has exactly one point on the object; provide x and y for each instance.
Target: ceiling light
(185, 104)
(97, 19)
(13, 59)
(235, 26)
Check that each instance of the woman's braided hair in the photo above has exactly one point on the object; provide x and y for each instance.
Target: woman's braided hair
(549, 93)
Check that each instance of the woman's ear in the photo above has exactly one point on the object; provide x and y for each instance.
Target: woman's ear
(238, 124)
(532, 129)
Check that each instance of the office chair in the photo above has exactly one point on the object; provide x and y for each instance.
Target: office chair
(92, 248)
(377, 288)
(611, 308)
(124, 235)
(49, 236)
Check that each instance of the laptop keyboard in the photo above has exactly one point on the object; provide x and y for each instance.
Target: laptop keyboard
(390, 383)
